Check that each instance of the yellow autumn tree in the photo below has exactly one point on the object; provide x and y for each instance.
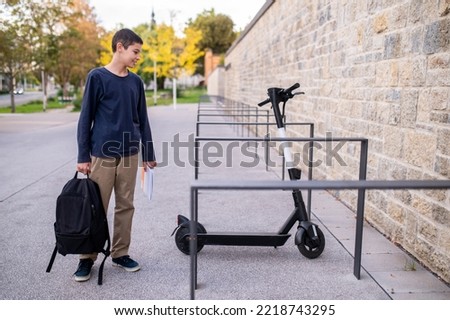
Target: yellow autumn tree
(191, 51)
(169, 54)
(106, 51)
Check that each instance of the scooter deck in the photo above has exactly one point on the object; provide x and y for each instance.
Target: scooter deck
(243, 239)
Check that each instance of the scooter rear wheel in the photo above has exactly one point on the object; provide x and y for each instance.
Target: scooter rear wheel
(309, 248)
(182, 239)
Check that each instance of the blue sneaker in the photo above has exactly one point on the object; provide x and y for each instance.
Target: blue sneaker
(127, 263)
(83, 272)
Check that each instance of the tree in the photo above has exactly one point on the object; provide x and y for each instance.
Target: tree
(15, 50)
(49, 37)
(46, 20)
(172, 54)
(191, 50)
(163, 49)
(145, 65)
(14, 56)
(81, 31)
(40, 23)
(217, 31)
(105, 54)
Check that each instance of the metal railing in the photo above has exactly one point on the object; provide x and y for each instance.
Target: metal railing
(360, 185)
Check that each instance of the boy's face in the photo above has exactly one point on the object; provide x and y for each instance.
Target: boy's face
(131, 55)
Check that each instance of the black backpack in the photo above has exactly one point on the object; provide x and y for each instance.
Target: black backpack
(81, 226)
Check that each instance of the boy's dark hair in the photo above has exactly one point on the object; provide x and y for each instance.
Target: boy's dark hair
(126, 37)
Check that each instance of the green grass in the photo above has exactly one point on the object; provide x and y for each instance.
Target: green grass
(35, 106)
(191, 95)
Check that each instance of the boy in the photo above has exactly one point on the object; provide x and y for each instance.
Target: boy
(113, 121)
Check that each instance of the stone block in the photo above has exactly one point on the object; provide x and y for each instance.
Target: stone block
(404, 196)
(380, 23)
(424, 106)
(423, 250)
(442, 166)
(412, 72)
(437, 36)
(439, 263)
(411, 224)
(431, 10)
(444, 242)
(408, 105)
(394, 114)
(396, 212)
(392, 46)
(439, 117)
(428, 231)
(421, 205)
(439, 61)
(386, 74)
(414, 174)
(420, 149)
(438, 78)
(393, 142)
(441, 215)
(443, 141)
(415, 11)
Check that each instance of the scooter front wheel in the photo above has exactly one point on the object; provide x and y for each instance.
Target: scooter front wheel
(311, 248)
(182, 239)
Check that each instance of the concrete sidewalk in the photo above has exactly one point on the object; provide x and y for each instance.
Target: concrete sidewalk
(27, 215)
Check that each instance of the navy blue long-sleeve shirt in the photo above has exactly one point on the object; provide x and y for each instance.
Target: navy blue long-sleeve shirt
(113, 120)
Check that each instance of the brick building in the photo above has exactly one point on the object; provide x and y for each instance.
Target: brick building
(212, 61)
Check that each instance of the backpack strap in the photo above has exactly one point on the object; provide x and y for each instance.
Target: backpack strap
(106, 252)
(52, 259)
(100, 271)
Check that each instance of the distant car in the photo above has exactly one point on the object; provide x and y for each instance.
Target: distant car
(18, 91)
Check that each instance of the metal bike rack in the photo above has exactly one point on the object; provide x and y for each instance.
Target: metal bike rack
(311, 140)
(360, 185)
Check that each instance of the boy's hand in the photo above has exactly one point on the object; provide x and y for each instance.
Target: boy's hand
(84, 167)
(149, 164)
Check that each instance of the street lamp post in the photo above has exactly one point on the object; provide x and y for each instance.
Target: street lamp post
(155, 83)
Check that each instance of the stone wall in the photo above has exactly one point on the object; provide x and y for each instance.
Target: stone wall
(370, 68)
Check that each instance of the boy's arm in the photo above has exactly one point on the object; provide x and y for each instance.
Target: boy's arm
(148, 154)
(87, 114)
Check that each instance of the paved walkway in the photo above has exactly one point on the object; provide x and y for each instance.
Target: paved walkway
(38, 157)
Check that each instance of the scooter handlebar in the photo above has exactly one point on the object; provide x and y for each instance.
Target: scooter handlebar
(264, 102)
(284, 94)
(291, 88)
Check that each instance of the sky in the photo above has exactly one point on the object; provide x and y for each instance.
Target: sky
(131, 13)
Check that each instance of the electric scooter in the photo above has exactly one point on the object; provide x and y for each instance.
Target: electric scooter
(309, 239)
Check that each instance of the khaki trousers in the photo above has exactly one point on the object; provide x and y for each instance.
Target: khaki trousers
(118, 175)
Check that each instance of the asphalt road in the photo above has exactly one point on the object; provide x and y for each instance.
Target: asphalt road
(19, 99)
